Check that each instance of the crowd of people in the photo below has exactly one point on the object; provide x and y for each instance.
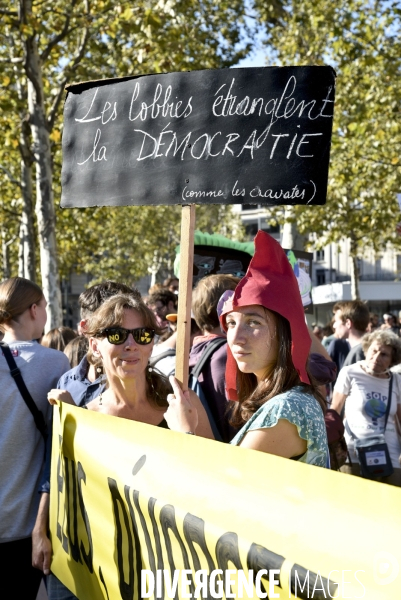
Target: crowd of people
(264, 381)
(366, 392)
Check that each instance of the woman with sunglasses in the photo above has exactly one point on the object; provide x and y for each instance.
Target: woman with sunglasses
(121, 334)
(278, 405)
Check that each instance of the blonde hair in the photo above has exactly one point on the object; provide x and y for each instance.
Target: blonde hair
(17, 294)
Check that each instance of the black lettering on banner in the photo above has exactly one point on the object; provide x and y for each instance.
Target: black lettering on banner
(126, 588)
(72, 511)
(151, 554)
(260, 558)
(227, 551)
(167, 520)
(304, 584)
(138, 557)
(103, 582)
(60, 485)
(87, 556)
(156, 537)
(194, 532)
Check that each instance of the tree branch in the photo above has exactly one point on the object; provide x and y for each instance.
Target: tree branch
(57, 38)
(75, 61)
(381, 162)
(24, 144)
(11, 61)
(10, 241)
(10, 212)
(56, 102)
(10, 177)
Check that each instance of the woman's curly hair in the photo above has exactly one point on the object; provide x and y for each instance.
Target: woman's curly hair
(385, 338)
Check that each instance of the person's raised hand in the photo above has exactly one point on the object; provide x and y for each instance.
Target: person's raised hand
(181, 414)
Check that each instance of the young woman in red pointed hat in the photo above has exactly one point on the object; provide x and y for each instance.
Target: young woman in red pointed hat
(277, 404)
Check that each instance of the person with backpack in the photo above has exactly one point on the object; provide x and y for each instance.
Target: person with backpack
(208, 356)
(28, 371)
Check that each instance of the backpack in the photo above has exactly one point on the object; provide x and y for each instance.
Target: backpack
(194, 384)
(155, 359)
(336, 440)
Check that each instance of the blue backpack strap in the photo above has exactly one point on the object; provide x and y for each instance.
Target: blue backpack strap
(194, 385)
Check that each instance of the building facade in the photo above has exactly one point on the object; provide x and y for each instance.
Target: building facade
(379, 275)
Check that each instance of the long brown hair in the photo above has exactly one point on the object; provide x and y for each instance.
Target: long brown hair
(111, 314)
(284, 376)
(58, 338)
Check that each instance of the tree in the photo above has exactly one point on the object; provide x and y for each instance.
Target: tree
(129, 240)
(44, 45)
(361, 39)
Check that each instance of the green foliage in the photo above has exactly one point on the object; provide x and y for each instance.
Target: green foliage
(80, 40)
(361, 39)
(129, 240)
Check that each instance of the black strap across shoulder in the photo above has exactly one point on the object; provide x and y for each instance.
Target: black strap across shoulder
(29, 401)
(206, 354)
(155, 359)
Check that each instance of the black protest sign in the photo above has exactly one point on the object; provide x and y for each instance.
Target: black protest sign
(256, 135)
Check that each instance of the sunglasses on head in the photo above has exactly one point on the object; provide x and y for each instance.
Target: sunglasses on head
(119, 335)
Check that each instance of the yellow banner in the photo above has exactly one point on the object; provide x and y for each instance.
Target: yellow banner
(138, 511)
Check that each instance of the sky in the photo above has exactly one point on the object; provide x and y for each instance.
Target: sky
(257, 59)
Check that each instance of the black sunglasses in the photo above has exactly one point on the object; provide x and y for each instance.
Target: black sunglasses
(118, 335)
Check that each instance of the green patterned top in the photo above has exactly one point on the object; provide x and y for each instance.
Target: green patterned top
(302, 410)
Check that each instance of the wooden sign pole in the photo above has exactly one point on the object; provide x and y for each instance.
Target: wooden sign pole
(185, 295)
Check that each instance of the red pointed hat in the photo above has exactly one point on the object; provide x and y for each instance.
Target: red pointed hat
(270, 282)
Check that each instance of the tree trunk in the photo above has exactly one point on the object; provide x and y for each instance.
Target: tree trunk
(291, 238)
(354, 270)
(5, 255)
(26, 253)
(45, 212)
(154, 268)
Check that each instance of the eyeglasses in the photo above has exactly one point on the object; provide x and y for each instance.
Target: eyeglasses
(118, 335)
